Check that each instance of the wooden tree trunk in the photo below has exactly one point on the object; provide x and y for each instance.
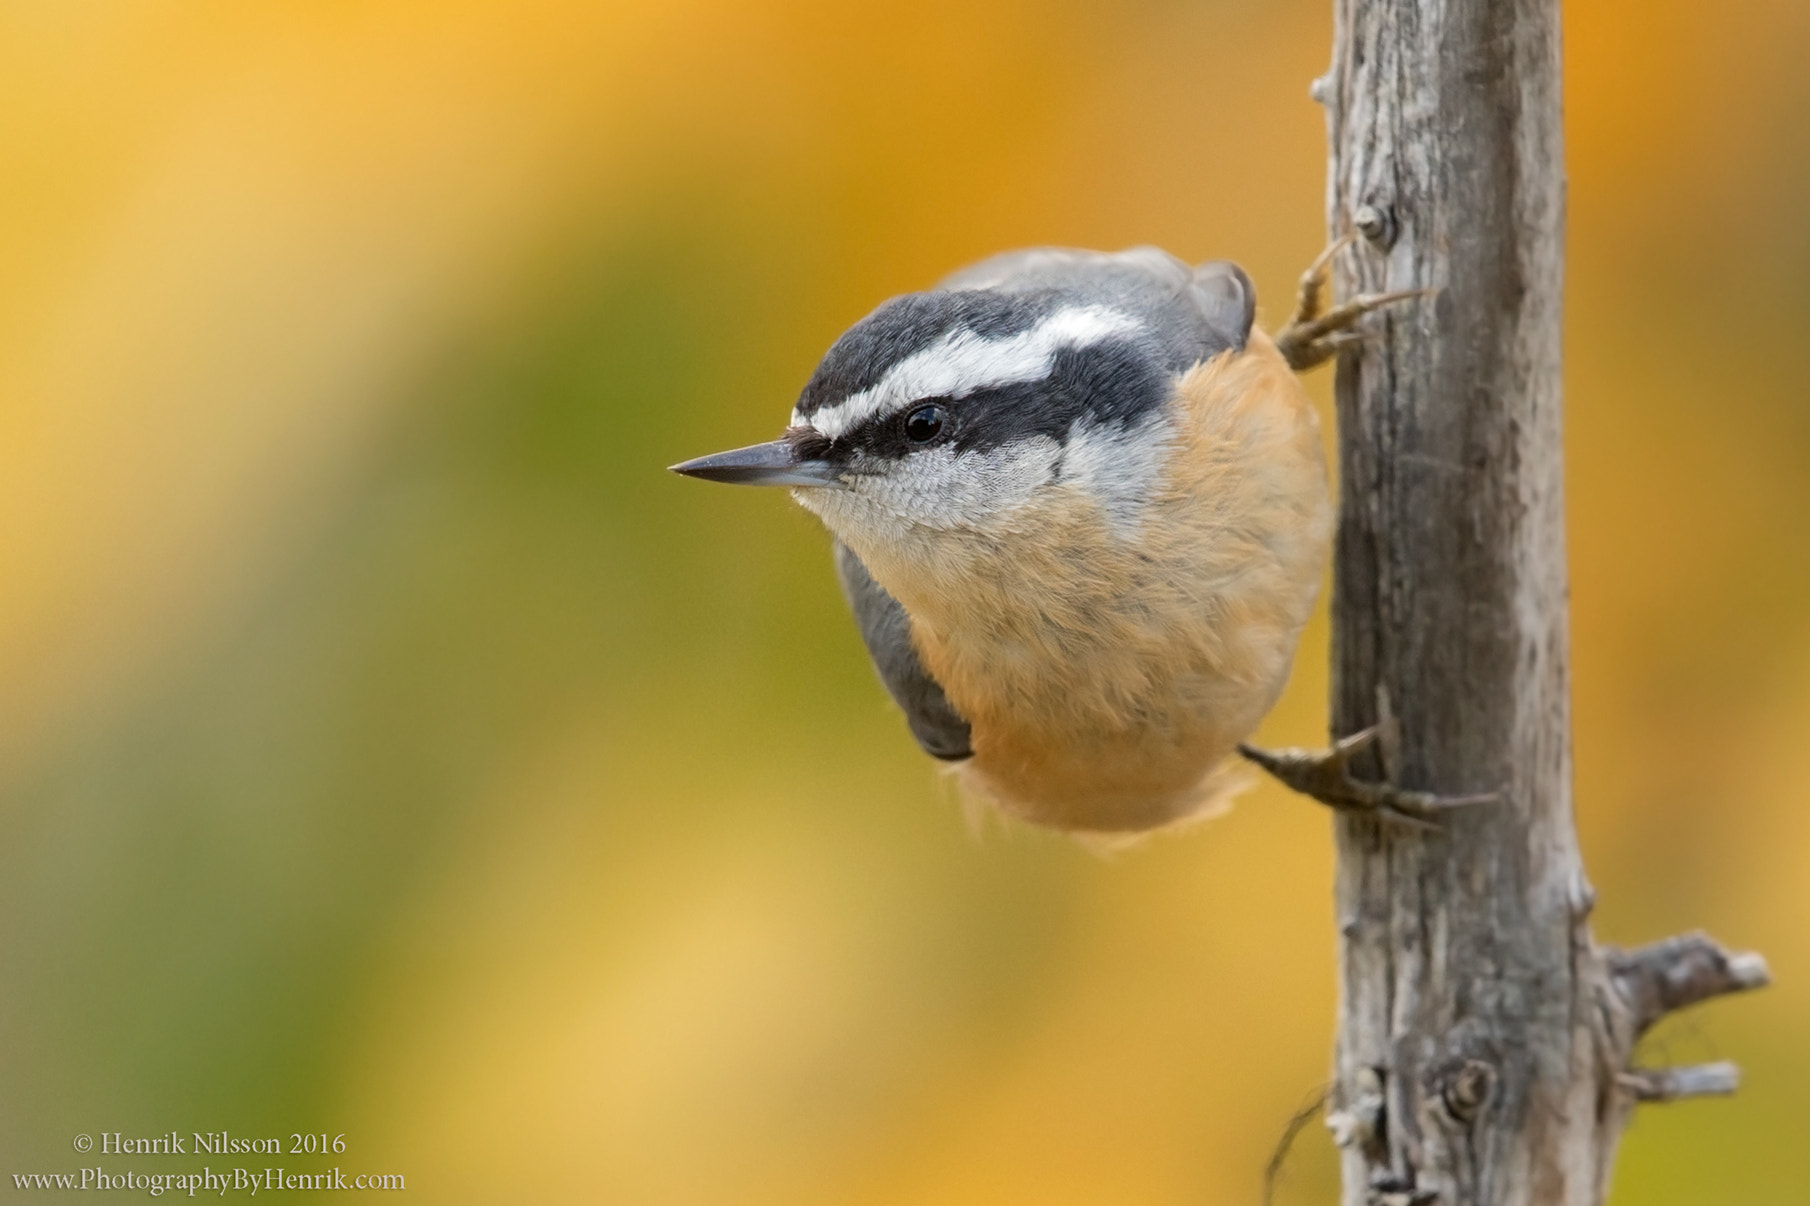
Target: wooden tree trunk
(1484, 1039)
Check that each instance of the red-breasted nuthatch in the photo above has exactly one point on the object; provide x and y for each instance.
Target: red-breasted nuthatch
(1081, 513)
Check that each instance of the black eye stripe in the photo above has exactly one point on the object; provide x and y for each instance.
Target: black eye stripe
(809, 443)
(1113, 383)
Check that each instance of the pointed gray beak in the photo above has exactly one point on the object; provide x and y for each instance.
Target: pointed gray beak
(775, 464)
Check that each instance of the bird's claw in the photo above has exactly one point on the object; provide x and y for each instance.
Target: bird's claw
(1316, 333)
(1326, 776)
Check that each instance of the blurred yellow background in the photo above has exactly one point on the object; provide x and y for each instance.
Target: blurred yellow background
(389, 746)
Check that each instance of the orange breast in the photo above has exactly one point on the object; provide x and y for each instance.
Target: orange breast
(1105, 675)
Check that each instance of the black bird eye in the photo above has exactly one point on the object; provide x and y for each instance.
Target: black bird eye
(923, 424)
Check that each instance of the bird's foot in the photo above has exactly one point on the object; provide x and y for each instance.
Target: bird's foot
(1315, 333)
(1326, 776)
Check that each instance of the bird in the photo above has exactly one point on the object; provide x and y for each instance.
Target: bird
(1080, 510)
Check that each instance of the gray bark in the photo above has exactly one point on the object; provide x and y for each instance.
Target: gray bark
(1484, 1043)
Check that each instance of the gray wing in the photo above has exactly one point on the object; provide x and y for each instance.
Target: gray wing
(938, 727)
(1227, 299)
(1198, 311)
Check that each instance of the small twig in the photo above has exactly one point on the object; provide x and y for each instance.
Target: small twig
(1272, 1172)
(1671, 1084)
(1664, 977)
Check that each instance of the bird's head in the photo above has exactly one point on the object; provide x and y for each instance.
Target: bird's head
(954, 411)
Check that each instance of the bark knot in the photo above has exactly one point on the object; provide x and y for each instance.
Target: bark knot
(1466, 1088)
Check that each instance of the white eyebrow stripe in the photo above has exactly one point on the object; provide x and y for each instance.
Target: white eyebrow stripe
(961, 363)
